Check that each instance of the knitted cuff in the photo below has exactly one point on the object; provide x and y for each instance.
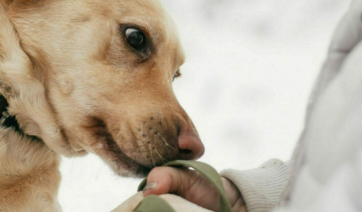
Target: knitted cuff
(261, 187)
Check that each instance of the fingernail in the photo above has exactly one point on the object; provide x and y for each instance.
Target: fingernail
(150, 185)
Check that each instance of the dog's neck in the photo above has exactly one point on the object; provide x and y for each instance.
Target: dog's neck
(29, 170)
(6, 120)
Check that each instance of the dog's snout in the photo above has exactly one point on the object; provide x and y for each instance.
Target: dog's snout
(190, 145)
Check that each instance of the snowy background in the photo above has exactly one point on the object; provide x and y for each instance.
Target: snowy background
(250, 68)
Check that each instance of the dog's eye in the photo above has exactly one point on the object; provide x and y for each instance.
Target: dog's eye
(135, 38)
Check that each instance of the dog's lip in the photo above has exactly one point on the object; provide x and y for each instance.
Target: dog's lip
(125, 162)
(115, 154)
(121, 159)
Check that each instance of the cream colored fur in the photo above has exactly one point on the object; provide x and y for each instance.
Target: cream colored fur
(75, 85)
(29, 175)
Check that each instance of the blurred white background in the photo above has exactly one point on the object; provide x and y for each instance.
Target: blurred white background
(250, 68)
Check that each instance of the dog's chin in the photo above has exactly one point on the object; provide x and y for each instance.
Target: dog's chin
(122, 164)
(107, 149)
(125, 169)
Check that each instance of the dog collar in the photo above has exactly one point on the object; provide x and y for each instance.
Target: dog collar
(7, 120)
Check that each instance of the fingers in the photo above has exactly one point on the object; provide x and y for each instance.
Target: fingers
(234, 196)
(163, 180)
(185, 183)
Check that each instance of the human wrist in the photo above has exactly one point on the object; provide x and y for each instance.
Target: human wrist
(233, 195)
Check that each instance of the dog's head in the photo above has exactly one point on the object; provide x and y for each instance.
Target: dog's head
(96, 76)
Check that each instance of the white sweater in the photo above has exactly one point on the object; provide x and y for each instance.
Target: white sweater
(325, 173)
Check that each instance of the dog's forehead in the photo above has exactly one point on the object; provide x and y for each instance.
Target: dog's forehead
(64, 17)
(150, 15)
(147, 14)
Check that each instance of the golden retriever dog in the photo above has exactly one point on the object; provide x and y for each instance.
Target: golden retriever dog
(80, 76)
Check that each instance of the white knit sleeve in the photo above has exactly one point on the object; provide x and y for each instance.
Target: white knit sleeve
(261, 187)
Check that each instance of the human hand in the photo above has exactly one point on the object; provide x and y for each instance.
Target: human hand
(193, 187)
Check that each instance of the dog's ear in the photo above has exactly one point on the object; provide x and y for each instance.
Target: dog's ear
(24, 92)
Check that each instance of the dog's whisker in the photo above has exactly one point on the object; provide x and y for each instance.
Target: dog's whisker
(163, 159)
(164, 140)
(151, 155)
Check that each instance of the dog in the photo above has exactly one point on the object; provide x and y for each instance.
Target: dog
(86, 76)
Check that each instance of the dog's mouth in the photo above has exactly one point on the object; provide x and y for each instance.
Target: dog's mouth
(118, 160)
(98, 139)
(106, 147)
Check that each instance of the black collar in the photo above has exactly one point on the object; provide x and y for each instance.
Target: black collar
(6, 120)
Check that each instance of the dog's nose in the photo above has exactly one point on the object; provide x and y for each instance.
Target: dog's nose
(190, 145)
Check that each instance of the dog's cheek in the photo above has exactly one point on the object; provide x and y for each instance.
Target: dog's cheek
(26, 123)
(66, 85)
